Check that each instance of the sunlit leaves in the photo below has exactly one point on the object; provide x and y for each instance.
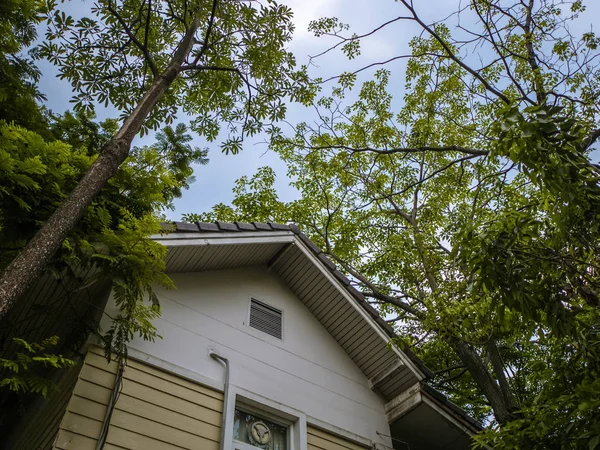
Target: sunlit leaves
(113, 236)
(496, 248)
(236, 80)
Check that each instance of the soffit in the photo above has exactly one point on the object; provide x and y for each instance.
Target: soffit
(199, 256)
(364, 343)
(424, 428)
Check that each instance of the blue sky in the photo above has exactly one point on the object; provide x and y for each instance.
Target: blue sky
(215, 180)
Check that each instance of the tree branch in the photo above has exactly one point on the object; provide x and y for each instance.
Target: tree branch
(452, 56)
(143, 48)
(449, 369)
(402, 150)
(498, 367)
(591, 139)
(344, 40)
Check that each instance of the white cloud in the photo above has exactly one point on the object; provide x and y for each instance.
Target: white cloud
(307, 10)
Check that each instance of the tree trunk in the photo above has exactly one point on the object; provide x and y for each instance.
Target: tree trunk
(481, 375)
(42, 248)
(498, 367)
(500, 401)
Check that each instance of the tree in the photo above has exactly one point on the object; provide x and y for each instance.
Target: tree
(110, 244)
(220, 61)
(19, 95)
(22, 374)
(469, 214)
(113, 237)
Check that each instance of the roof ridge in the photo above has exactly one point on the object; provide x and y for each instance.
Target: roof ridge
(217, 225)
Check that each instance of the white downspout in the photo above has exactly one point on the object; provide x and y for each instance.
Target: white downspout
(225, 361)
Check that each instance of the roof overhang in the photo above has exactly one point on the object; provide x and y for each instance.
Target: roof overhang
(314, 280)
(428, 421)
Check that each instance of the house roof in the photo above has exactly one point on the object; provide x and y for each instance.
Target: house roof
(285, 262)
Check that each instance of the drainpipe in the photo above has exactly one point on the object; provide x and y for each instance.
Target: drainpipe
(225, 362)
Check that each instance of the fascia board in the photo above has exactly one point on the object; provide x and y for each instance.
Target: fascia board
(221, 238)
(353, 302)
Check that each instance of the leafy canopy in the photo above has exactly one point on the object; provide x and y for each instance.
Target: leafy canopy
(113, 237)
(467, 214)
(236, 74)
(25, 373)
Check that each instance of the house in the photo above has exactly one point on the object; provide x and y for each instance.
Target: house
(265, 345)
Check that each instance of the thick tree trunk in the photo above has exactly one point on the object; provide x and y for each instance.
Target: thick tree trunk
(481, 375)
(500, 401)
(30, 263)
(498, 366)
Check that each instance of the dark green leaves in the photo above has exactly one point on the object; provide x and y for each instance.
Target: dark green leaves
(25, 371)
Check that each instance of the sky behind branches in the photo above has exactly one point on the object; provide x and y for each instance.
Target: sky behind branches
(215, 181)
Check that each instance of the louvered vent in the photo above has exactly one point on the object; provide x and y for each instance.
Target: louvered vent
(265, 318)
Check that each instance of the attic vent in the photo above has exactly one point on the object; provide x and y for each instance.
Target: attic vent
(265, 318)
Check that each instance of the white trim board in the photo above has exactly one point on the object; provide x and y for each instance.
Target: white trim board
(342, 290)
(224, 238)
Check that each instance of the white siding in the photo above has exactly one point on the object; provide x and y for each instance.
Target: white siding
(307, 370)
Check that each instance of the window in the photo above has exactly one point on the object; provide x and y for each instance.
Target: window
(257, 432)
(254, 422)
(265, 318)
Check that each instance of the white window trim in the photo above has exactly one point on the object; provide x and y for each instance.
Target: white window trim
(271, 410)
(237, 445)
(259, 333)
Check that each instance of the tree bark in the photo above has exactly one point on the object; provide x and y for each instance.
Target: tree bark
(484, 380)
(42, 248)
(498, 367)
(500, 401)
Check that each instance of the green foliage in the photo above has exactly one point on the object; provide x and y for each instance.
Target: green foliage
(467, 213)
(173, 160)
(255, 200)
(18, 74)
(26, 372)
(43, 157)
(113, 237)
(564, 413)
(238, 78)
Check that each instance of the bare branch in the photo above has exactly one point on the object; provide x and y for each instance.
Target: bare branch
(591, 139)
(453, 56)
(344, 40)
(403, 150)
(376, 293)
(449, 369)
(380, 63)
(143, 48)
(209, 29)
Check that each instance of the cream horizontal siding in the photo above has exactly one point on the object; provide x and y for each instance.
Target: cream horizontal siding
(323, 440)
(155, 410)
